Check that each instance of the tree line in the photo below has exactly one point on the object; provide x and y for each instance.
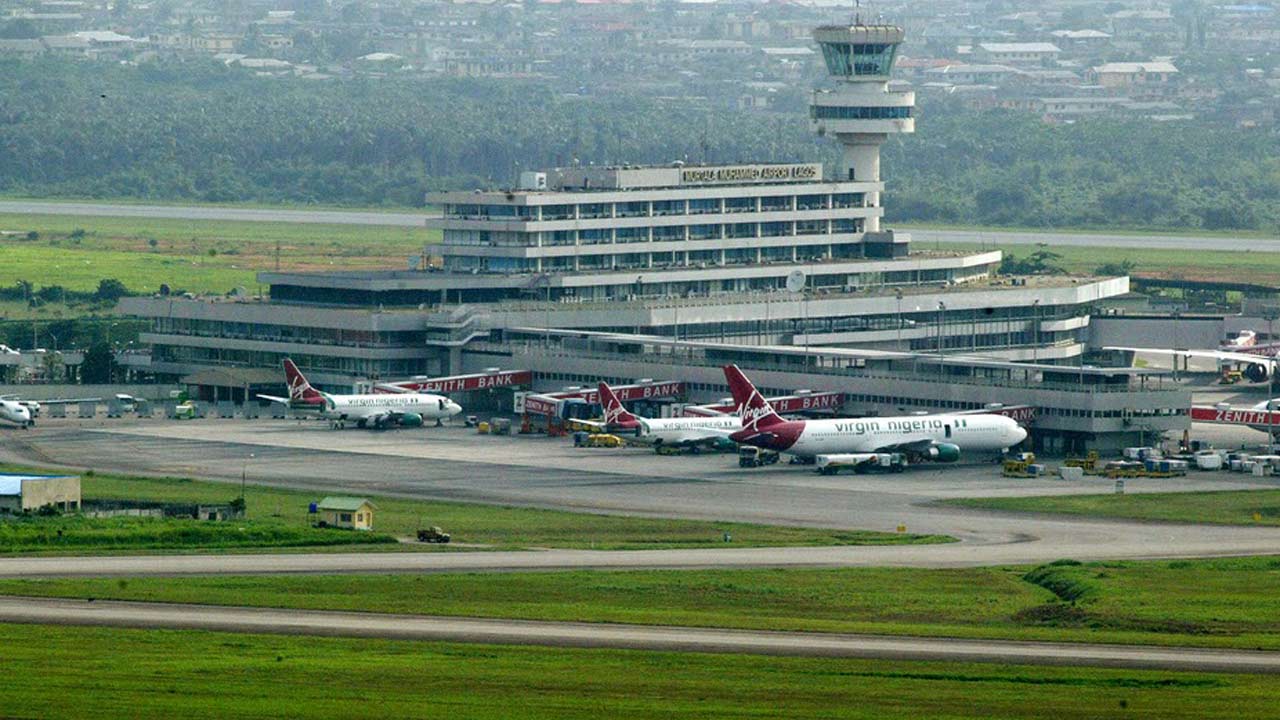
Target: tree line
(197, 130)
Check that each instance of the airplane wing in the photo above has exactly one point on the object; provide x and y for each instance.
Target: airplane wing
(704, 436)
(1221, 355)
(67, 401)
(389, 388)
(913, 446)
(273, 398)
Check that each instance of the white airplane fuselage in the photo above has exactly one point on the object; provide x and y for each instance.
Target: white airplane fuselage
(686, 431)
(376, 405)
(12, 411)
(968, 433)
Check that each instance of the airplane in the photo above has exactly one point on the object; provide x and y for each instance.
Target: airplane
(940, 438)
(15, 412)
(1254, 366)
(11, 404)
(376, 411)
(687, 432)
(1243, 339)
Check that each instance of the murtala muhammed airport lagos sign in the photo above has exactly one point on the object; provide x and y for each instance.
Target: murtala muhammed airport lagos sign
(749, 173)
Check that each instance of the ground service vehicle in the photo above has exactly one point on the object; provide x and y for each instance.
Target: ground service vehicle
(750, 456)
(861, 463)
(434, 534)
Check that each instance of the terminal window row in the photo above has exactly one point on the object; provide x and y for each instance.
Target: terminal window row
(648, 208)
(661, 233)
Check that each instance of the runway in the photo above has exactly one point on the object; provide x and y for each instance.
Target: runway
(206, 212)
(634, 637)
(356, 217)
(457, 465)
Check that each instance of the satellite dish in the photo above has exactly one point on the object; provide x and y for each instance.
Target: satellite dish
(795, 281)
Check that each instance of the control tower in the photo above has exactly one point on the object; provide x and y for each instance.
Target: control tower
(861, 111)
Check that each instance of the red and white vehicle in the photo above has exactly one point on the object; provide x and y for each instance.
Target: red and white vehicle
(941, 438)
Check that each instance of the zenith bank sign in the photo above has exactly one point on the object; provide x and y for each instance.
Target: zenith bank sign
(749, 173)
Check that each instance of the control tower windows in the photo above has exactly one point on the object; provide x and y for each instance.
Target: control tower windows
(859, 59)
(837, 112)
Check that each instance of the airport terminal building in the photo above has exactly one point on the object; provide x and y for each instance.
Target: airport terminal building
(587, 273)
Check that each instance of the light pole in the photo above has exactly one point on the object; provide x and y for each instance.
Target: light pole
(1035, 324)
(897, 294)
(244, 471)
(1176, 314)
(942, 309)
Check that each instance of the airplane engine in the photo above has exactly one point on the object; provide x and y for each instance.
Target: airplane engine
(943, 452)
(411, 420)
(1255, 372)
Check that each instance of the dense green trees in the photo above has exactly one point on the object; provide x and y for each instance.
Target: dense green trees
(198, 130)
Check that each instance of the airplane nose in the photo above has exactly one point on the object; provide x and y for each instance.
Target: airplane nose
(1019, 434)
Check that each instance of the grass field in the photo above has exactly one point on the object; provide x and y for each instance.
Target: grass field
(1231, 507)
(63, 672)
(489, 525)
(1211, 603)
(194, 255)
(1260, 267)
(80, 535)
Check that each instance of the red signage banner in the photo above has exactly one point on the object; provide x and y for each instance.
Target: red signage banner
(541, 405)
(1234, 416)
(625, 393)
(786, 404)
(463, 383)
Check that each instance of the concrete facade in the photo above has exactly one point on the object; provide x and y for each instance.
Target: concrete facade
(30, 493)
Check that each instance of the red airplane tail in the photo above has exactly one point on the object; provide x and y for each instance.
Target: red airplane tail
(755, 411)
(300, 391)
(614, 412)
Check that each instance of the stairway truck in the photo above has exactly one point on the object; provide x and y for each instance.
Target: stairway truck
(861, 463)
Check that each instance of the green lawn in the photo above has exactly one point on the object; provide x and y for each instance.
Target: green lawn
(1230, 507)
(490, 525)
(70, 200)
(64, 672)
(74, 534)
(195, 255)
(1153, 232)
(1211, 603)
(1260, 267)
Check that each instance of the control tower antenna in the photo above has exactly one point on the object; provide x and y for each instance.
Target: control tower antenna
(861, 111)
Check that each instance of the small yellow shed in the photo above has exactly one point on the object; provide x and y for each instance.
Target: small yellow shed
(351, 513)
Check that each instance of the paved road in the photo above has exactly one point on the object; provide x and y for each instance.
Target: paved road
(355, 217)
(637, 637)
(179, 212)
(924, 238)
(455, 464)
